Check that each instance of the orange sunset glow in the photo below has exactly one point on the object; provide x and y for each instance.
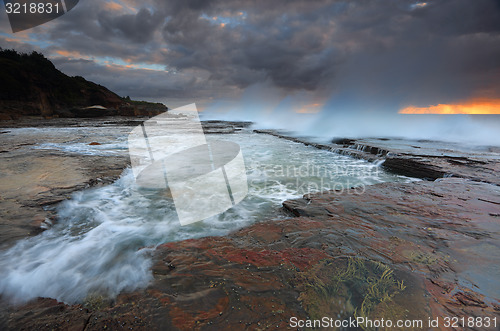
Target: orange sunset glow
(472, 107)
(310, 109)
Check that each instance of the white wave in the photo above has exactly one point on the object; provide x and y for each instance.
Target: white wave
(104, 236)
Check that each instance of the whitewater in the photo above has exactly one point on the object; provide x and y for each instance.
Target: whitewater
(104, 237)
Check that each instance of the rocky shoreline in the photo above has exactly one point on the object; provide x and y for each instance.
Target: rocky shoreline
(33, 180)
(426, 162)
(429, 248)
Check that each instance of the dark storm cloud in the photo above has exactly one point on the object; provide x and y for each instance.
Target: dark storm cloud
(138, 28)
(435, 54)
(456, 17)
(141, 83)
(391, 49)
(286, 42)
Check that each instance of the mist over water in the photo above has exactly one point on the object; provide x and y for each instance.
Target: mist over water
(466, 129)
(348, 117)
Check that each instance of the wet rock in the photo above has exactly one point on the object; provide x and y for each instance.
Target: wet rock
(344, 148)
(40, 315)
(41, 223)
(470, 299)
(223, 127)
(414, 167)
(37, 122)
(428, 248)
(34, 180)
(405, 251)
(345, 142)
(431, 167)
(409, 159)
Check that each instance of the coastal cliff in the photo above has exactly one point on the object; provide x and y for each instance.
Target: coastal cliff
(30, 85)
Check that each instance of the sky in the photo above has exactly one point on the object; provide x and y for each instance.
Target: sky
(261, 56)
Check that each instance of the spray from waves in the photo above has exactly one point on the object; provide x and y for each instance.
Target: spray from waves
(102, 243)
(479, 130)
(98, 231)
(464, 129)
(269, 109)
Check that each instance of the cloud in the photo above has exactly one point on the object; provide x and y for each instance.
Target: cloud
(356, 54)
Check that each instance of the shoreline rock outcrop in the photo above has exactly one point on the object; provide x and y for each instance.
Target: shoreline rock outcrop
(413, 161)
(395, 250)
(430, 247)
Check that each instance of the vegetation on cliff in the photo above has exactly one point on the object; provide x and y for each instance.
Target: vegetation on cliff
(30, 85)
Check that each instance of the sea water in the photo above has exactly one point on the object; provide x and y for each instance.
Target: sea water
(104, 236)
